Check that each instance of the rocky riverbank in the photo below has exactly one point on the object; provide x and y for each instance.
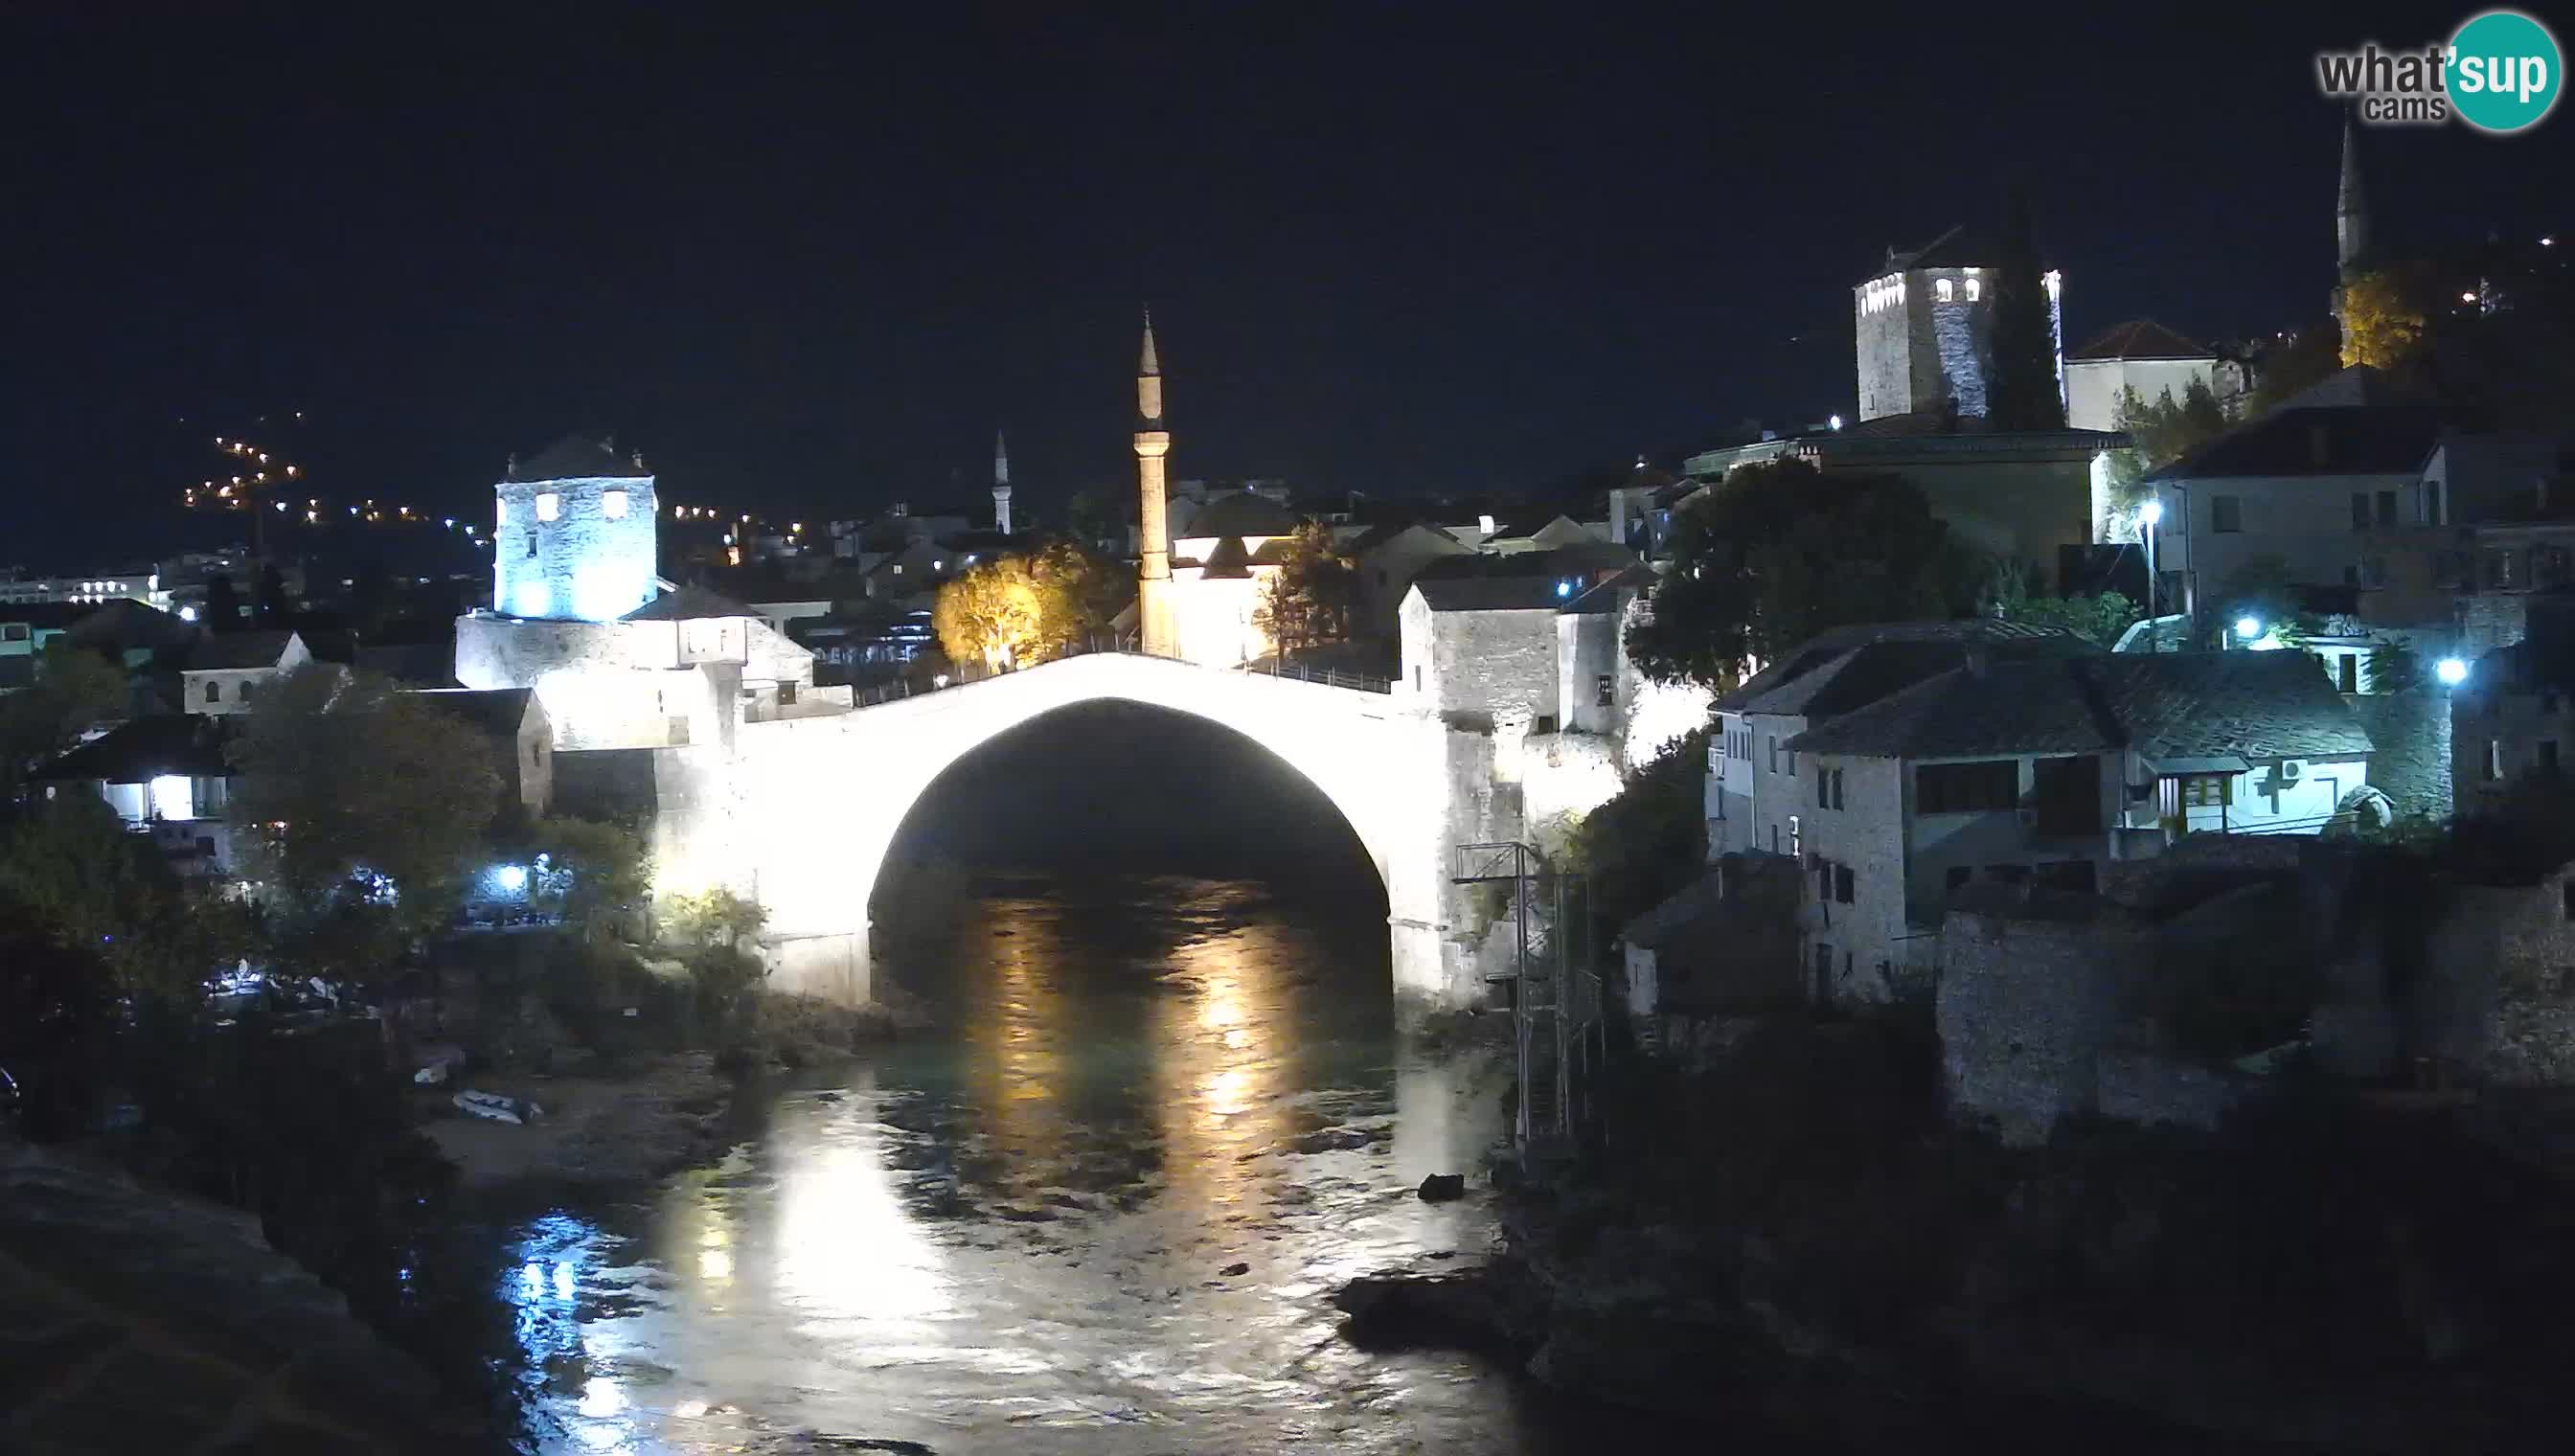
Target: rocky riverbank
(2331, 1280)
(647, 1119)
(141, 1320)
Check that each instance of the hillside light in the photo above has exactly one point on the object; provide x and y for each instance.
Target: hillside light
(2451, 670)
(2248, 628)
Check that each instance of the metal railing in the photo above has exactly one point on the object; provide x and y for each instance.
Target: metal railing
(1328, 677)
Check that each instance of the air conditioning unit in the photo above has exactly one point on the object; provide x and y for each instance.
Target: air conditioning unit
(2289, 770)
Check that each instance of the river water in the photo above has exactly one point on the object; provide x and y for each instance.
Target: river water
(1101, 1211)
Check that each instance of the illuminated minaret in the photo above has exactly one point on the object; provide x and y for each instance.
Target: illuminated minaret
(2351, 208)
(1001, 484)
(1153, 539)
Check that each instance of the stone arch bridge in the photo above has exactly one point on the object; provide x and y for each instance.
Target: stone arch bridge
(815, 803)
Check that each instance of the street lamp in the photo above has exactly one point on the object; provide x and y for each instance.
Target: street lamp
(2151, 514)
(2248, 628)
(2451, 670)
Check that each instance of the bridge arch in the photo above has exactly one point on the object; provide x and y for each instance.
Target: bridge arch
(816, 802)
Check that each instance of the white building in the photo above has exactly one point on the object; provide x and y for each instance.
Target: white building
(167, 777)
(574, 535)
(1223, 560)
(2039, 770)
(226, 670)
(2139, 354)
(1388, 558)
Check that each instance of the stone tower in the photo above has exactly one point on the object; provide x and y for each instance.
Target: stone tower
(1001, 484)
(574, 538)
(1153, 537)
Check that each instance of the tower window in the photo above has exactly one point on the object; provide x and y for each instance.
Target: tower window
(1946, 289)
(612, 504)
(548, 506)
(1975, 289)
(501, 517)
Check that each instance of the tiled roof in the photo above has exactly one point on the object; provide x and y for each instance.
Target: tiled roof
(2321, 439)
(239, 650)
(1226, 558)
(148, 747)
(688, 604)
(578, 457)
(1241, 512)
(2255, 706)
(1956, 248)
(2141, 339)
(1488, 594)
(1824, 648)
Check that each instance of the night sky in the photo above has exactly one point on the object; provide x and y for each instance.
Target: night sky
(809, 260)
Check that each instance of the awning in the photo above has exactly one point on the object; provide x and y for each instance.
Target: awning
(2223, 763)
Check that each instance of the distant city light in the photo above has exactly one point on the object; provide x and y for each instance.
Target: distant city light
(2151, 513)
(2248, 628)
(2548, 242)
(2451, 670)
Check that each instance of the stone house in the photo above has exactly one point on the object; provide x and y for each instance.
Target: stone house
(2139, 354)
(225, 671)
(1388, 558)
(2515, 713)
(575, 533)
(166, 776)
(2044, 771)
(1479, 633)
(1725, 943)
(1755, 795)
(522, 741)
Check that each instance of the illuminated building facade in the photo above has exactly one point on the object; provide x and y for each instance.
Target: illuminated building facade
(573, 537)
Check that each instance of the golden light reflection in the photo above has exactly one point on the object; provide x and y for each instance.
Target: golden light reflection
(1226, 1091)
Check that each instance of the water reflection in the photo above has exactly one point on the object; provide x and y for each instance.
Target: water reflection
(1103, 1214)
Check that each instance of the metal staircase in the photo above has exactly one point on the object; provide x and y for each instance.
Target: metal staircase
(1553, 993)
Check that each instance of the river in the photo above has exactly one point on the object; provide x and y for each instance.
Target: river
(1100, 1210)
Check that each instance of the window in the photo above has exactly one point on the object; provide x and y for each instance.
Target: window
(13, 632)
(612, 504)
(1975, 289)
(213, 691)
(1946, 288)
(2387, 507)
(787, 695)
(2348, 675)
(548, 504)
(1990, 787)
(1824, 789)
(2207, 790)
(1837, 789)
(1605, 692)
(2431, 502)
(1775, 838)
(532, 544)
(2226, 514)
(1545, 724)
(1416, 676)
(2360, 510)
(1842, 883)
(1774, 754)
(2493, 767)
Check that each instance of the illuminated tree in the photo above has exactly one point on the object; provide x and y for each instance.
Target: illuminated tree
(1310, 599)
(1079, 593)
(2382, 327)
(991, 613)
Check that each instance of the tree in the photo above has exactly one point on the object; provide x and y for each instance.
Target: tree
(2098, 620)
(2021, 390)
(1079, 593)
(75, 691)
(1308, 601)
(1096, 514)
(589, 872)
(712, 917)
(2382, 325)
(991, 612)
(1651, 838)
(2311, 355)
(223, 605)
(363, 808)
(1781, 552)
(273, 608)
(2164, 431)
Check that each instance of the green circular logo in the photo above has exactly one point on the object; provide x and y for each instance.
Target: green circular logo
(2503, 72)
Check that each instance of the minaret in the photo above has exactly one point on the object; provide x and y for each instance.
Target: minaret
(2351, 208)
(1001, 484)
(1154, 540)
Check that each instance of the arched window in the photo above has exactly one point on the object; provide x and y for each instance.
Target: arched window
(1975, 289)
(548, 506)
(612, 504)
(1946, 290)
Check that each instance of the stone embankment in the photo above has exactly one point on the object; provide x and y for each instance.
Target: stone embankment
(139, 1320)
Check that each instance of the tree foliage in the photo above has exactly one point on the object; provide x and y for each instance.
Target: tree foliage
(1780, 552)
(712, 917)
(2164, 430)
(75, 691)
(1024, 609)
(2310, 356)
(1312, 598)
(2021, 388)
(2382, 323)
(2098, 620)
(71, 872)
(1651, 838)
(590, 872)
(364, 807)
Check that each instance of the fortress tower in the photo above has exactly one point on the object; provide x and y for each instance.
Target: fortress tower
(1153, 534)
(573, 541)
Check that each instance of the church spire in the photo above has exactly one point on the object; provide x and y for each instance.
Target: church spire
(2352, 205)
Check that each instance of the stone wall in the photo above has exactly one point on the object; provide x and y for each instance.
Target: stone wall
(584, 564)
(1494, 661)
(2502, 1008)
(2025, 1007)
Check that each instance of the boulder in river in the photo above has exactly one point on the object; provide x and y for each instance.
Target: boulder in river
(1442, 1187)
